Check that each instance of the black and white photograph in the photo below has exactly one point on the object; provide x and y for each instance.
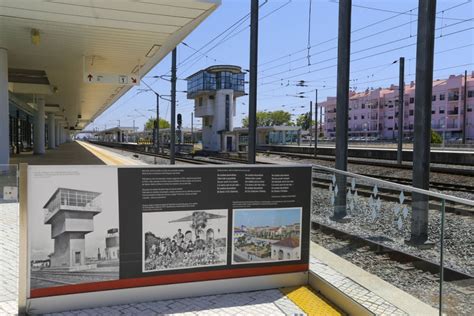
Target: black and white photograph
(74, 229)
(184, 239)
(266, 235)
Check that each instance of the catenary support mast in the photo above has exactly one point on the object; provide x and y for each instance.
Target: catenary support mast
(422, 135)
(342, 107)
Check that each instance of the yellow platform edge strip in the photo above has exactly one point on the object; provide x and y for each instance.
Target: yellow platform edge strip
(309, 301)
(102, 155)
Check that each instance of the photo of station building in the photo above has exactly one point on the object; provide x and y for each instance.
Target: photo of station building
(70, 213)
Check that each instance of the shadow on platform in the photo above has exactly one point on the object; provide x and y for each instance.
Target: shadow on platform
(66, 154)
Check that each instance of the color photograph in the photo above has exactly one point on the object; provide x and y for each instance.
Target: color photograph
(184, 239)
(266, 235)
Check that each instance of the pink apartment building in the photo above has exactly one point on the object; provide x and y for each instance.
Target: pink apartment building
(374, 113)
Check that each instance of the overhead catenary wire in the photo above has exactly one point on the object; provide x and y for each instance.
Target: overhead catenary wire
(397, 14)
(354, 60)
(366, 49)
(231, 34)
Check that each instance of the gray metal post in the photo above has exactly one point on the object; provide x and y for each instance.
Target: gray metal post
(192, 128)
(157, 128)
(464, 118)
(173, 106)
(310, 123)
(422, 137)
(316, 125)
(342, 107)
(401, 91)
(253, 81)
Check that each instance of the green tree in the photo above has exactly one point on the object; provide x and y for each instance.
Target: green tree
(303, 121)
(436, 138)
(274, 118)
(150, 123)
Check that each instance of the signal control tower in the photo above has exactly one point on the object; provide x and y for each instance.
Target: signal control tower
(215, 90)
(70, 214)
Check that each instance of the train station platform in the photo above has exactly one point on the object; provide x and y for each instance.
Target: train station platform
(67, 154)
(74, 153)
(335, 286)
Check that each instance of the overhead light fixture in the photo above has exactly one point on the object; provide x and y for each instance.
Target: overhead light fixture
(35, 37)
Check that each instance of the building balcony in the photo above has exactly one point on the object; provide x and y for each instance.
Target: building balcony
(95, 209)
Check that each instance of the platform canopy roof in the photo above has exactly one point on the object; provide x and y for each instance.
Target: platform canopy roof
(54, 44)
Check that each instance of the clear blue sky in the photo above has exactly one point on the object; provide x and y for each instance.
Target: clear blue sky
(283, 34)
(266, 217)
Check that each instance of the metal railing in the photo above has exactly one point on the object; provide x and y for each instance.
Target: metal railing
(385, 216)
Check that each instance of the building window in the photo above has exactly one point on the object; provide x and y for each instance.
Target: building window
(200, 101)
(390, 117)
(355, 117)
(453, 95)
(433, 97)
(470, 93)
(433, 112)
(441, 110)
(469, 109)
(411, 112)
(362, 117)
(412, 100)
(363, 106)
(441, 97)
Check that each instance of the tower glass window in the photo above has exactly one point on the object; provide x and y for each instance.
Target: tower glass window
(216, 78)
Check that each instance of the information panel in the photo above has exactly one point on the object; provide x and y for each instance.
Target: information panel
(95, 228)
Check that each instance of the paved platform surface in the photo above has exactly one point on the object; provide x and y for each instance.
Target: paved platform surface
(66, 154)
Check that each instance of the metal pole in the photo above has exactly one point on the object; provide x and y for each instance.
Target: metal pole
(192, 128)
(157, 134)
(342, 107)
(464, 118)
(401, 91)
(253, 81)
(316, 125)
(441, 258)
(173, 106)
(310, 123)
(422, 137)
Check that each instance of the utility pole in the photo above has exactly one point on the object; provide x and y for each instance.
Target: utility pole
(401, 92)
(192, 128)
(173, 106)
(316, 125)
(253, 81)
(342, 107)
(422, 137)
(157, 126)
(310, 123)
(464, 118)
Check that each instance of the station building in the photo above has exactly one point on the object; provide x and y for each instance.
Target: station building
(215, 91)
(266, 135)
(375, 112)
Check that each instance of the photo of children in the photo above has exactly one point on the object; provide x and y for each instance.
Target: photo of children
(184, 239)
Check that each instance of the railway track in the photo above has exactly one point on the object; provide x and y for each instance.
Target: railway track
(388, 194)
(445, 170)
(399, 256)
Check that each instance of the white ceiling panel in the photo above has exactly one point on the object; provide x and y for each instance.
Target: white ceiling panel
(111, 36)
